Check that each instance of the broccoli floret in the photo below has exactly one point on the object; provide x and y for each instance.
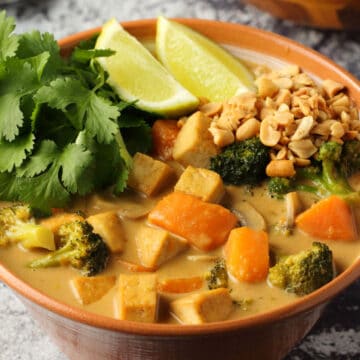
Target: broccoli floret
(279, 186)
(11, 217)
(304, 272)
(323, 177)
(242, 163)
(217, 277)
(79, 247)
(350, 157)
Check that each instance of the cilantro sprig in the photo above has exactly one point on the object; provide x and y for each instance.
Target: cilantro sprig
(63, 130)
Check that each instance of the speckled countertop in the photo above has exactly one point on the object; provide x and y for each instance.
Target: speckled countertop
(337, 334)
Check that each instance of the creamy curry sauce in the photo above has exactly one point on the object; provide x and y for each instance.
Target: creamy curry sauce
(56, 281)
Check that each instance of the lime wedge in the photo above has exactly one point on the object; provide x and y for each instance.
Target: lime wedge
(200, 65)
(137, 76)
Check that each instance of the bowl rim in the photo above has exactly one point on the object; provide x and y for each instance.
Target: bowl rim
(306, 303)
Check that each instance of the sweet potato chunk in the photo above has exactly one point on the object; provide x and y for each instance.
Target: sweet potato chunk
(247, 254)
(206, 226)
(164, 133)
(329, 219)
(181, 285)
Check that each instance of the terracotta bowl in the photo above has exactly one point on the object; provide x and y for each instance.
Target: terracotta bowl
(83, 335)
(329, 14)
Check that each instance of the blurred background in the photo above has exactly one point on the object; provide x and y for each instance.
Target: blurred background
(64, 17)
(337, 335)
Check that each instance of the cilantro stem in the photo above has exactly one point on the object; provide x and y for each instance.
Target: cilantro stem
(123, 150)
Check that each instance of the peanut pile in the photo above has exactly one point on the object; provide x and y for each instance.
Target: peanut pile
(290, 113)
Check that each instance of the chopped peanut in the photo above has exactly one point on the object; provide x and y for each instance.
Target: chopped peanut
(290, 113)
(280, 168)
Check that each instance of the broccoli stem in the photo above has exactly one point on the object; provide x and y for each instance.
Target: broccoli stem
(333, 181)
(123, 150)
(56, 258)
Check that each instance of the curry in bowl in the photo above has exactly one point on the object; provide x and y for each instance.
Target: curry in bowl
(238, 207)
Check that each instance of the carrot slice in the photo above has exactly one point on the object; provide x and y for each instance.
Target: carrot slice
(329, 219)
(164, 133)
(247, 254)
(205, 225)
(134, 267)
(181, 285)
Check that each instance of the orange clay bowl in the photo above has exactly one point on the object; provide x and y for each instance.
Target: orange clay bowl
(271, 335)
(329, 14)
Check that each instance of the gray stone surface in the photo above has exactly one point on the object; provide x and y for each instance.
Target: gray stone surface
(337, 335)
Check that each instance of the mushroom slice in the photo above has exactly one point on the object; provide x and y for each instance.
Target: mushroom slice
(204, 258)
(134, 211)
(293, 207)
(248, 216)
(124, 206)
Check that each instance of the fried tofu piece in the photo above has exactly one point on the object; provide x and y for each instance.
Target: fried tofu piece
(108, 225)
(208, 306)
(204, 183)
(148, 175)
(90, 289)
(194, 144)
(137, 298)
(54, 222)
(155, 246)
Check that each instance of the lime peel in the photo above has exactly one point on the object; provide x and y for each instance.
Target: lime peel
(136, 75)
(199, 64)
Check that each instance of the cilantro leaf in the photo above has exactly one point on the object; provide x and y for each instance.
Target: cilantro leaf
(8, 41)
(122, 178)
(60, 93)
(130, 120)
(56, 174)
(122, 105)
(137, 139)
(88, 44)
(92, 112)
(135, 129)
(11, 117)
(60, 122)
(38, 63)
(100, 116)
(20, 79)
(34, 44)
(106, 163)
(44, 191)
(9, 185)
(40, 161)
(74, 161)
(14, 153)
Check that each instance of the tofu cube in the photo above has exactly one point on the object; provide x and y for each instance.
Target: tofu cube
(148, 175)
(137, 298)
(204, 183)
(209, 306)
(108, 225)
(90, 289)
(194, 144)
(155, 246)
